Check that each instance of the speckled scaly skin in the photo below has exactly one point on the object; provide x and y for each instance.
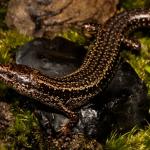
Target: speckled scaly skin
(76, 89)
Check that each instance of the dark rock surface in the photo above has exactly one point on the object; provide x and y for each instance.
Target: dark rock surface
(123, 105)
(56, 57)
(39, 17)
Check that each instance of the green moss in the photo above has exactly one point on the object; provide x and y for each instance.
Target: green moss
(9, 41)
(23, 133)
(24, 128)
(130, 4)
(74, 36)
(147, 68)
(136, 139)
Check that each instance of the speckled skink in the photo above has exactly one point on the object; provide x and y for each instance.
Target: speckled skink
(78, 88)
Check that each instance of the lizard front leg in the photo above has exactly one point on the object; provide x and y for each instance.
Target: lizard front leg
(91, 29)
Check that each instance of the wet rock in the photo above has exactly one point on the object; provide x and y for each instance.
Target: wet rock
(56, 57)
(40, 17)
(123, 105)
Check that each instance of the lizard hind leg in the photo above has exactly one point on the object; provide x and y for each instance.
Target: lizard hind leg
(73, 119)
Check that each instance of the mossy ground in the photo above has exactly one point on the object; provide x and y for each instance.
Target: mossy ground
(26, 125)
(136, 139)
